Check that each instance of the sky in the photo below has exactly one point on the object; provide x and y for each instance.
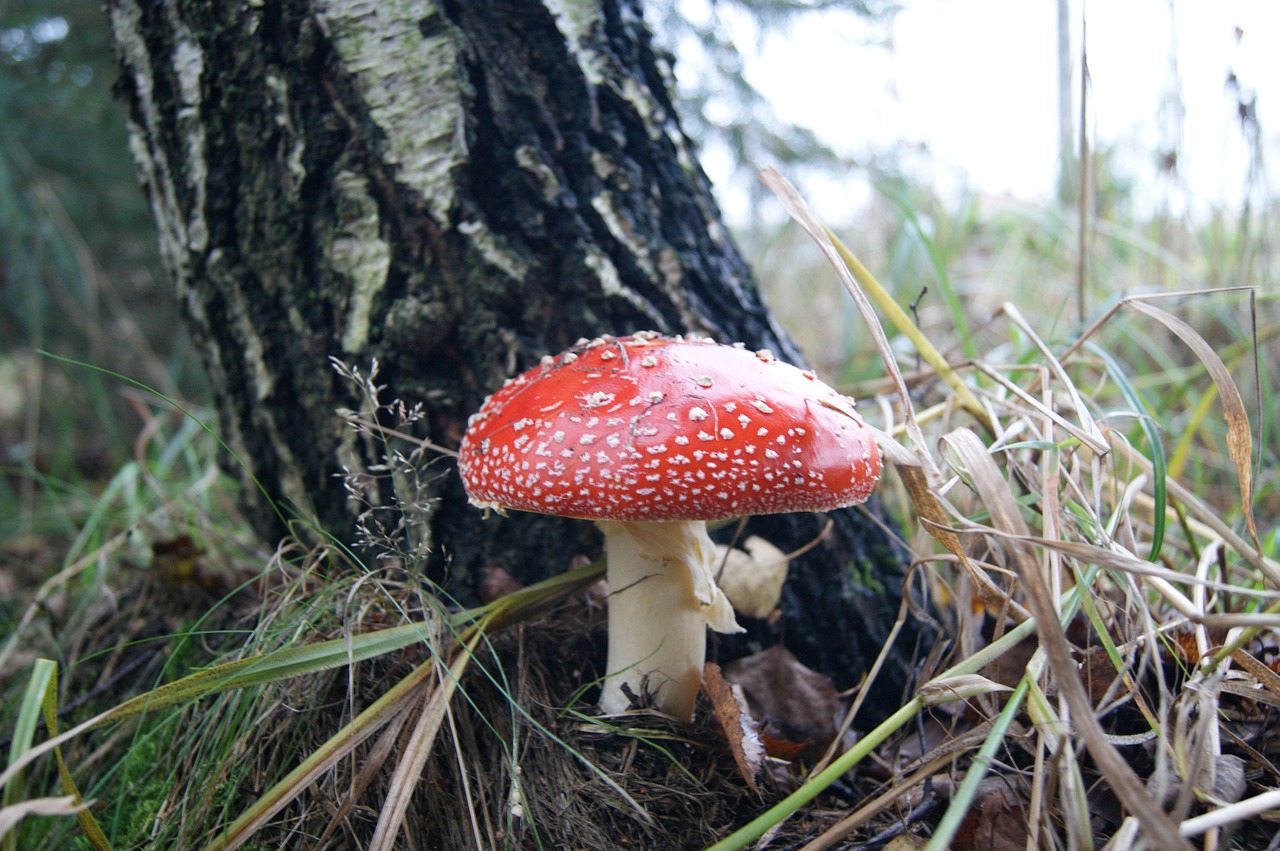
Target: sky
(976, 82)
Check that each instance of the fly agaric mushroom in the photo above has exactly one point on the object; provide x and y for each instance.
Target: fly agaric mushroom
(650, 437)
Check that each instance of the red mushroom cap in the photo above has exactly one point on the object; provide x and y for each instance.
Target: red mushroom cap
(666, 428)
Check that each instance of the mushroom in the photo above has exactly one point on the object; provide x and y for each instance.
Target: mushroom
(651, 436)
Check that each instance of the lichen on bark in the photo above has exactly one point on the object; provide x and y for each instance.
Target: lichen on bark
(410, 81)
(358, 251)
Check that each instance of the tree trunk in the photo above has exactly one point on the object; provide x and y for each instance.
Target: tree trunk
(1068, 173)
(454, 189)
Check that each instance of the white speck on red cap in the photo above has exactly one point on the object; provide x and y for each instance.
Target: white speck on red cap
(643, 411)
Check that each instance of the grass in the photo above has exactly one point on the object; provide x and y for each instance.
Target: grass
(1045, 507)
(1076, 506)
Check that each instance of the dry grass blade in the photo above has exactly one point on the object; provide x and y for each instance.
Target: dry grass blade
(970, 458)
(1126, 785)
(409, 770)
(1237, 812)
(59, 580)
(974, 464)
(867, 744)
(934, 519)
(1077, 404)
(1121, 777)
(865, 280)
(12, 815)
(1119, 559)
(384, 710)
(252, 670)
(1266, 677)
(982, 471)
(1239, 434)
(867, 811)
(382, 750)
(945, 690)
(799, 210)
(893, 451)
(1051, 503)
(1089, 437)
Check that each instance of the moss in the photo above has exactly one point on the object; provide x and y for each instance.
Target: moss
(865, 573)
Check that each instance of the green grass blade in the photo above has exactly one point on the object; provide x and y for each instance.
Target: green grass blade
(938, 264)
(255, 670)
(945, 832)
(884, 300)
(24, 732)
(173, 403)
(819, 782)
(272, 667)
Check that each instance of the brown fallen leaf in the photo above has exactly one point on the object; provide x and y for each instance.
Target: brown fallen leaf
(496, 583)
(1098, 673)
(739, 728)
(798, 708)
(997, 820)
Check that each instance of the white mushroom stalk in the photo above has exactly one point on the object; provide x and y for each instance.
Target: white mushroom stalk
(650, 436)
(662, 598)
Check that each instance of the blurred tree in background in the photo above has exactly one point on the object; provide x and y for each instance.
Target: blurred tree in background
(721, 108)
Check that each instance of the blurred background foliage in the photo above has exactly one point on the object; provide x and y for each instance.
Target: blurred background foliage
(78, 261)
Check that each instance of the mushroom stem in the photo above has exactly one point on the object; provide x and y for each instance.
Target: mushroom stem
(662, 598)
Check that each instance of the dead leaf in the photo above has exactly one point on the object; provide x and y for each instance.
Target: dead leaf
(1098, 673)
(795, 705)
(1011, 666)
(996, 821)
(752, 577)
(741, 731)
(495, 583)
